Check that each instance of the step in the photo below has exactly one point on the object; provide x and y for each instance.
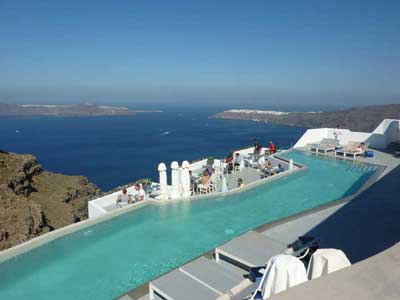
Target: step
(212, 274)
(177, 285)
(147, 297)
(126, 297)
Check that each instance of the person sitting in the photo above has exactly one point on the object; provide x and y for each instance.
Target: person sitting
(240, 183)
(272, 148)
(204, 186)
(124, 198)
(140, 193)
(280, 169)
(193, 182)
(362, 148)
(210, 170)
(205, 179)
(237, 162)
(270, 169)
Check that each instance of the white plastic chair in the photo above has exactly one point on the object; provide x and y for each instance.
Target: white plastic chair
(240, 167)
(205, 188)
(325, 261)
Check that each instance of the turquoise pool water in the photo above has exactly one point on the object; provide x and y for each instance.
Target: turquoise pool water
(107, 259)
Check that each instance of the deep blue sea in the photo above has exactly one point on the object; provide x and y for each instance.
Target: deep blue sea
(112, 151)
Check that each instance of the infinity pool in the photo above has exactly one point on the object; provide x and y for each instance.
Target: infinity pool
(109, 258)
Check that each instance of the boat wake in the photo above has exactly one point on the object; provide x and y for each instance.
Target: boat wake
(165, 133)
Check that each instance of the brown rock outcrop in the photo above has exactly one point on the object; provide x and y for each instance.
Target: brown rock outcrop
(34, 201)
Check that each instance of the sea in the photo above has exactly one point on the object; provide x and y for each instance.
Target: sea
(116, 150)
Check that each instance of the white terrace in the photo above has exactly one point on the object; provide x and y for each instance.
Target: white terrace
(221, 181)
(180, 188)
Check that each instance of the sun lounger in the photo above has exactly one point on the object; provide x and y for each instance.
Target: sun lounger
(275, 277)
(324, 146)
(249, 250)
(177, 285)
(206, 279)
(201, 279)
(352, 148)
(213, 275)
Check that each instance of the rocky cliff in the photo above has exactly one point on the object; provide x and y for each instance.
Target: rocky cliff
(34, 201)
(365, 118)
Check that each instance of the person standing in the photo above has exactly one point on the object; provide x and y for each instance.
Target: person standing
(337, 132)
(272, 148)
(257, 148)
(229, 162)
(237, 162)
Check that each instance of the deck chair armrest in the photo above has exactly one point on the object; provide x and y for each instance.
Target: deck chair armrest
(256, 272)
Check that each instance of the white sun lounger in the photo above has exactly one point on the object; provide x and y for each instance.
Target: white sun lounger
(324, 146)
(249, 250)
(351, 149)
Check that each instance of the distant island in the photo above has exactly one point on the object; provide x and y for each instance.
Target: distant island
(75, 110)
(365, 118)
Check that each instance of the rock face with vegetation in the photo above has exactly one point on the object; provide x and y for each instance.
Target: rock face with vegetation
(365, 118)
(34, 201)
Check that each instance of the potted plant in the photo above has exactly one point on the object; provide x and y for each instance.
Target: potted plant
(146, 183)
(210, 161)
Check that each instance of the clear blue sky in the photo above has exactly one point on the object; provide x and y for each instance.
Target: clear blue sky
(258, 50)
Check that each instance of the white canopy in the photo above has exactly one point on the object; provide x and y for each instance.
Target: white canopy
(325, 261)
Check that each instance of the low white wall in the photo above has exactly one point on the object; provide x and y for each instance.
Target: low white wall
(95, 210)
(311, 136)
(198, 164)
(388, 131)
(97, 207)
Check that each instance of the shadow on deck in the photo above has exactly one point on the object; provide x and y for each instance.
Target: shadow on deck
(366, 225)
